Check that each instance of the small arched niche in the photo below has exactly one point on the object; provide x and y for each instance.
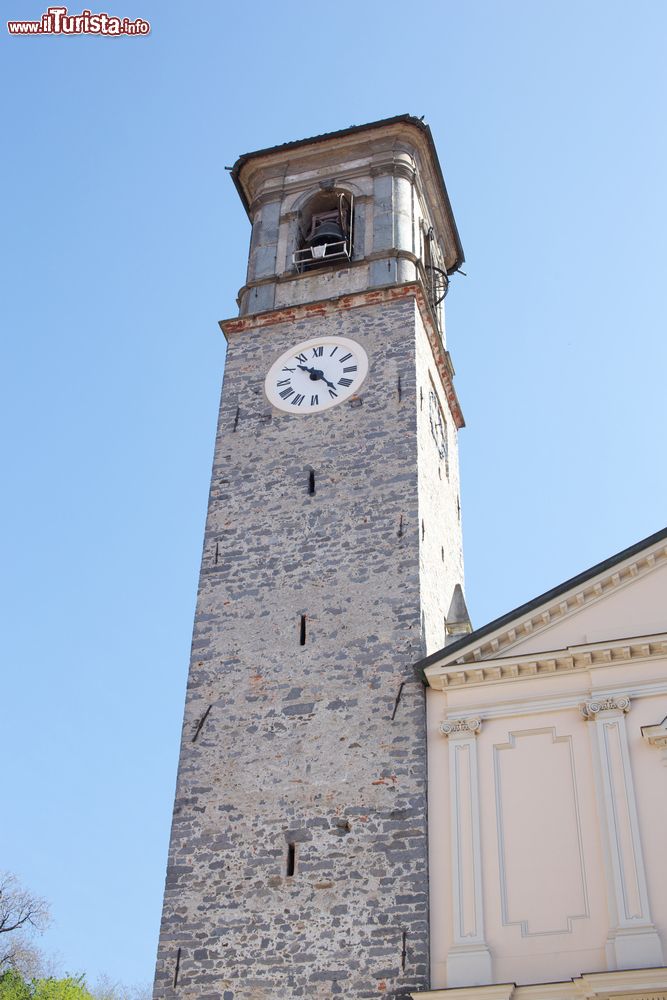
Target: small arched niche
(325, 230)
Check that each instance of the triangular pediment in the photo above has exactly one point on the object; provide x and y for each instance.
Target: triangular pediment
(616, 605)
(624, 607)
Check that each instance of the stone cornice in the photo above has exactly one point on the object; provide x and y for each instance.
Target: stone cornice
(500, 991)
(486, 709)
(356, 300)
(543, 616)
(578, 658)
(625, 984)
(284, 277)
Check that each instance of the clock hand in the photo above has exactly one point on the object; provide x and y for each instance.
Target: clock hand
(316, 374)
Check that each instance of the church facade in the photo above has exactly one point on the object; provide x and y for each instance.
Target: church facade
(547, 753)
(373, 800)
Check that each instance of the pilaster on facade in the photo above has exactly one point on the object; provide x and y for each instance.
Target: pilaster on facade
(633, 941)
(469, 959)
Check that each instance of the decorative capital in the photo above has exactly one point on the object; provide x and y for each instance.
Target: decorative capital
(590, 709)
(461, 727)
(400, 165)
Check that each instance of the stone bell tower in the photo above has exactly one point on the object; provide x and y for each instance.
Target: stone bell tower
(298, 864)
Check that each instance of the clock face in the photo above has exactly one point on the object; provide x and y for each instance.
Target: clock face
(315, 375)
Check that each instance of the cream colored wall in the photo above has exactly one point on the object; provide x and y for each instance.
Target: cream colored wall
(542, 862)
(549, 895)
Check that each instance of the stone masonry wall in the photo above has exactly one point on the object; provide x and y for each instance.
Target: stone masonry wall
(319, 745)
(441, 550)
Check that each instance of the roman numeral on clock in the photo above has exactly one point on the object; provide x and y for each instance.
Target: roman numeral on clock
(298, 400)
(286, 393)
(318, 352)
(333, 393)
(283, 381)
(350, 368)
(345, 381)
(314, 400)
(302, 358)
(346, 357)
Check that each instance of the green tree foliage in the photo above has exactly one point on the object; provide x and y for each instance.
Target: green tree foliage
(14, 987)
(60, 989)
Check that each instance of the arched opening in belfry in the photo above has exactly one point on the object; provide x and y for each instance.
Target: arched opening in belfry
(325, 230)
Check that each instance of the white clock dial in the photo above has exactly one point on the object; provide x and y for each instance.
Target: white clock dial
(316, 375)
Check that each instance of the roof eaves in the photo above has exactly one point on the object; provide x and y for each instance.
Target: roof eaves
(524, 609)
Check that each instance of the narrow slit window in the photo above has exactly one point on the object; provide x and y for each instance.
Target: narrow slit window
(311, 483)
(302, 631)
(291, 860)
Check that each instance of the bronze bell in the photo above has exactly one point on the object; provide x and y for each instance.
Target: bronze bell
(327, 231)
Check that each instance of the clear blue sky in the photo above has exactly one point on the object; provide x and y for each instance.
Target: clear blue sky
(125, 242)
